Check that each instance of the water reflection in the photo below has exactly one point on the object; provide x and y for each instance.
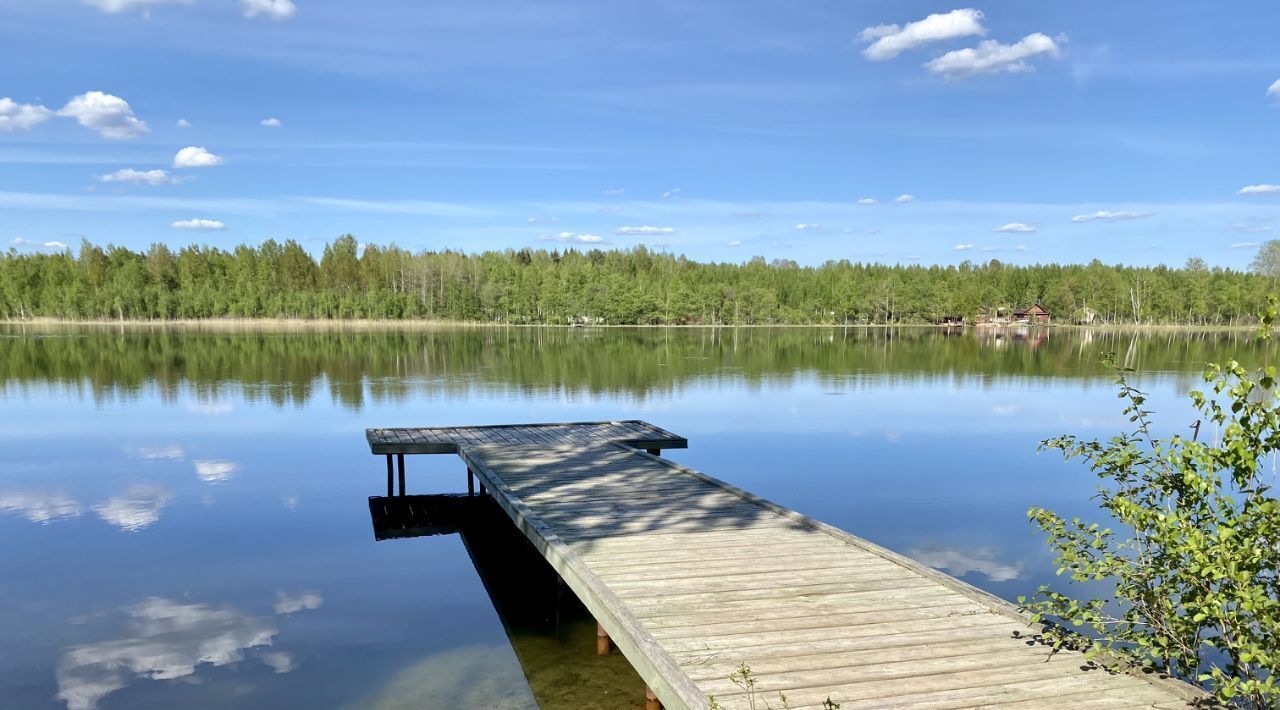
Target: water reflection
(41, 507)
(960, 562)
(136, 508)
(165, 640)
(552, 634)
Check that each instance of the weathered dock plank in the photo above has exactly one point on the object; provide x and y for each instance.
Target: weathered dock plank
(692, 577)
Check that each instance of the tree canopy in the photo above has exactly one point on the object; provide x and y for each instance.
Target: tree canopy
(635, 286)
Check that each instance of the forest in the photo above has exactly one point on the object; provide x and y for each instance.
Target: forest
(636, 286)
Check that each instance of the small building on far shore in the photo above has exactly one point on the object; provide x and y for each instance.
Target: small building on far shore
(1035, 314)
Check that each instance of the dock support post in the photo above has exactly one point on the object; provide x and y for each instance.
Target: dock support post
(471, 482)
(482, 490)
(651, 701)
(602, 640)
(391, 481)
(400, 463)
(655, 452)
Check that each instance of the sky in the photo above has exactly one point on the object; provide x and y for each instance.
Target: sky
(895, 132)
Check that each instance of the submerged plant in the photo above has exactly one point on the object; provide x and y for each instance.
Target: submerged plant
(1194, 562)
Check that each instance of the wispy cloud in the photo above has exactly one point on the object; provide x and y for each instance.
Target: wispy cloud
(962, 247)
(293, 603)
(809, 227)
(960, 562)
(39, 506)
(888, 41)
(904, 198)
(270, 9)
(612, 192)
(643, 231)
(119, 6)
(33, 244)
(542, 220)
(735, 243)
(1274, 90)
(671, 194)
(215, 471)
(199, 224)
(1110, 216)
(1263, 189)
(992, 57)
(171, 452)
(1017, 228)
(864, 201)
(150, 177)
(1244, 245)
(575, 238)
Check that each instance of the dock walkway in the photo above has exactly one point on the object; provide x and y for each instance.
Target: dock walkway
(692, 577)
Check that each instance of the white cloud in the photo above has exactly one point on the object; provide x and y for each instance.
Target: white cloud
(39, 507)
(542, 220)
(1017, 228)
(904, 197)
(735, 243)
(1020, 247)
(118, 6)
(183, 123)
(172, 452)
(214, 471)
(150, 177)
(992, 57)
(293, 603)
(612, 192)
(961, 562)
(109, 115)
(643, 231)
(888, 41)
(273, 9)
(270, 123)
(806, 227)
(21, 117)
(1109, 216)
(1250, 227)
(195, 157)
(962, 247)
(1244, 245)
(1274, 90)
(138, 507)
(575, 237)
(31, 243)
(198, 223)
(1263, 189)
(280, 661)
(166, 640)
(671, 194)
(867, 201)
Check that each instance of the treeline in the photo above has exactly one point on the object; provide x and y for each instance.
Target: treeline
(636, 286)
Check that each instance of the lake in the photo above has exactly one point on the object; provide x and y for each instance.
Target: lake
(185, 516)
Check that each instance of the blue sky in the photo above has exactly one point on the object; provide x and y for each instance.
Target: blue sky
(720, 130)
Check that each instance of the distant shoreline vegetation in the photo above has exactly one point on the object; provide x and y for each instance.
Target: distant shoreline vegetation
(282, 283)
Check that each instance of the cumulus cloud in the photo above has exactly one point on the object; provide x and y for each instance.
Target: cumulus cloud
(270, 123)
(643, 231)
(612, 192)
(806, 227)
(271, 9)
(1109, 216)
(39, 507)
(904, 197)
(1263, 189)
(198, 223)
(165, 640)
(575, 237)
(867, 201)
(138, 507)
(109, 115)
(293, 603)
(961, 562)
(183, 123)
(21, 117)
(1017, 228)
(194, 156)
(119, 6)
(992, 57)
(888, 41)
(962, 247)
(215, 471)
(150, 177)
(33, 244)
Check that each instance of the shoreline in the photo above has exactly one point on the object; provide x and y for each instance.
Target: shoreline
(303, 324)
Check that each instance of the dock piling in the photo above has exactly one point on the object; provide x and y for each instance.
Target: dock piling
(602, 640)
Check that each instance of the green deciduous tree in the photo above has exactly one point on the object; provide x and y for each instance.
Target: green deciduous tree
(1195, 556)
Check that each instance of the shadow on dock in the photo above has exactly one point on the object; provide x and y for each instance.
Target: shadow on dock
(552, 634)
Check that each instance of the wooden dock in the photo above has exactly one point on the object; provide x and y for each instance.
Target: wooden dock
(691, 577)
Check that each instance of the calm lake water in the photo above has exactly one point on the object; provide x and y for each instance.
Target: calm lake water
(184, 516)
